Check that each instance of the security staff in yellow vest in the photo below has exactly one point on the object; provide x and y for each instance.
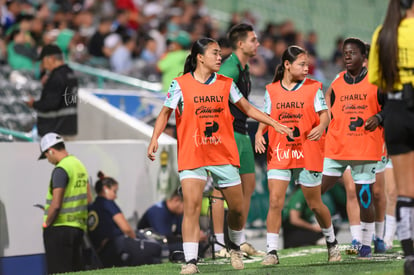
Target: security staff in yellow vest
(66, 207)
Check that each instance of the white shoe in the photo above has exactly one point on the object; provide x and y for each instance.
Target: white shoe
(236, 259)
(250, 250)
(270, 259)
(189, 269)
(222, 253)
(334, 254)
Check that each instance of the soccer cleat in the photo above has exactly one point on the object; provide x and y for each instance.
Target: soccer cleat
(365, 252)
(250, 250)
(236, 259)
(379, 246)
(222, 253)
(271, 258)
(189, 268)
(334, 254)
(353, 248)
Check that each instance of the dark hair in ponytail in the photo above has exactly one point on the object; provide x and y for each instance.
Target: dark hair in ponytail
(199, 47)
(104, 181)
(290, 54)
(388, 46)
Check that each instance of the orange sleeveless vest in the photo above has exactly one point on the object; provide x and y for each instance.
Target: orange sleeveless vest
(296, 110)
(205, 127)
(347, 138)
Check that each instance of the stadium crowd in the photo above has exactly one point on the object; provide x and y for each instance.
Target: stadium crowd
(131, 37)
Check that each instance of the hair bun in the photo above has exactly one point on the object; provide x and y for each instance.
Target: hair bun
(101, 175)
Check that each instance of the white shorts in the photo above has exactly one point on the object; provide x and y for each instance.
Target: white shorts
(301, 176)
(223, 175)
(362, 171)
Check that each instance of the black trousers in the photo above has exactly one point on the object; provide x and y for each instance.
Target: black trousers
(399, 127)
(63, 245)
(124, 251)
(295, 236)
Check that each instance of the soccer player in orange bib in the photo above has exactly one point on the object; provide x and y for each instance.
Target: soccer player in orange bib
(354, 138)
(205, 140)
(298, 102)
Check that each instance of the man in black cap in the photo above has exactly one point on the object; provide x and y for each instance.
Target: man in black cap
(57, 106)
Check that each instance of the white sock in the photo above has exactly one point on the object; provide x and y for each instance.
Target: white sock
(329, 234)
(272, 241)
(235, 236)
(356, 232)
(368, 229)
(243, 236)
(379, 230)
(390, 227)
(220, 239)
(190, 251)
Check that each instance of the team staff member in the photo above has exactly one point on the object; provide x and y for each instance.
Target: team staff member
(57, 106)
(391, 64)
(244, 42)
(298, 102)
(354, 137)
(113, 238)
(206, 143)
(66, 207)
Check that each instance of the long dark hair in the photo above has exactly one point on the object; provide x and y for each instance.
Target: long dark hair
(388, 46)
(199, 47)
(104, 181)
(290, 54)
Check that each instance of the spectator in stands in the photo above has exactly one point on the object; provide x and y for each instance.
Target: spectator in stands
(149, 53)
(278, 50)
(225, 46)
(171, 65)
(337, 53)
(96, 42)
(112, 236)
(57, 106)
(165, 218)
(121, 60)
(120, 24)
(21, 51)
(64, 221)
(9, 14)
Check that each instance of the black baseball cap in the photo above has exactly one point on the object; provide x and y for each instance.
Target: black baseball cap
(49, 50)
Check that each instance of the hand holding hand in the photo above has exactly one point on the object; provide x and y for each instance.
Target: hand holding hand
(283, 129)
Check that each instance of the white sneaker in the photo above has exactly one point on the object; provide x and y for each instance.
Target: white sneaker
(189, 269)
(270, 259)
(236, 259)
(334, 254)
(250, 250)
(222, 253)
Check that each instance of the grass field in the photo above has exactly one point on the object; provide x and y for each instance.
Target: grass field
(304, 260)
